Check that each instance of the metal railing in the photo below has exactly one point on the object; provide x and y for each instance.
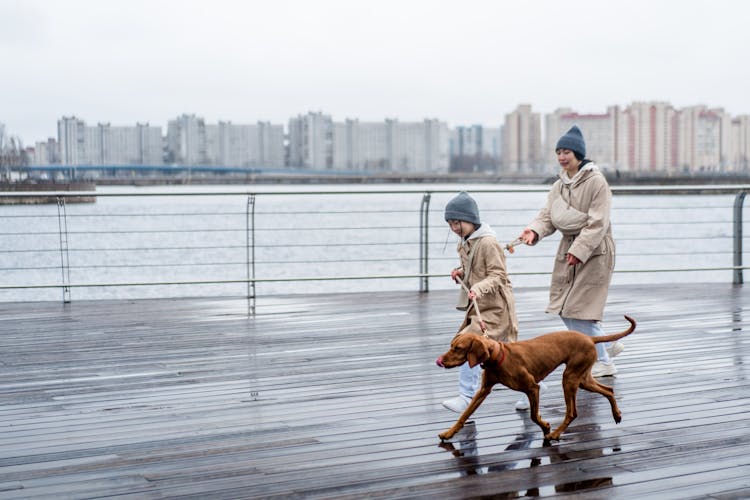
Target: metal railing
(204, 242)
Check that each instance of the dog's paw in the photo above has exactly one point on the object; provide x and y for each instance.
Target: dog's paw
(447, 446)
(552, 436)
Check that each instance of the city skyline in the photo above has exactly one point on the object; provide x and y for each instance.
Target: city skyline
(643, 136)
(462, 64)
(285, 122)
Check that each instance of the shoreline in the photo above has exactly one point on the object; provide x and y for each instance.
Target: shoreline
(15, 187)
(614, 179)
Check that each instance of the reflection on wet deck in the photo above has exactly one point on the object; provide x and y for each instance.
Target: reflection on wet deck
(338, 396)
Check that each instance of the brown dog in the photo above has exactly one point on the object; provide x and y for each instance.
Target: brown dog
(521, 365)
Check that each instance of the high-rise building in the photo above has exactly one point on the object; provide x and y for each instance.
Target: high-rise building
(260, 145)
(651, 138)
(361, 145)
(46, 153)
(186, 141)
(522, 141)
(270, 151)
(418, 147)
(740, 144)
(107, 145)
(139, 145)
(71, 137)
(311, 141)
(149, 144)
(475, 147)
(315, 141)
(705, 136)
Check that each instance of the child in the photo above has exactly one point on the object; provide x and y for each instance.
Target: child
(483, 271)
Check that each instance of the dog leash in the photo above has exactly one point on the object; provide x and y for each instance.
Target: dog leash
(476, 306)
(510, 246)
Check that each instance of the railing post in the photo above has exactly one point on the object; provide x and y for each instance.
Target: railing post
(250, 253)
(424, 243)
(62, 223)
(738, 203)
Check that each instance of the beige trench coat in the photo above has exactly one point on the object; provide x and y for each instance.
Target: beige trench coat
(489, 280)
(580, 291)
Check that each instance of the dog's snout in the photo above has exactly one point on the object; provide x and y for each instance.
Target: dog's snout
(439, 361)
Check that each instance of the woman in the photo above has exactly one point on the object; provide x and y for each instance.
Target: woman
(578, 205)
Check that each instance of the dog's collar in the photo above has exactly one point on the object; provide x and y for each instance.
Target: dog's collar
(502, 351)
(502, 354)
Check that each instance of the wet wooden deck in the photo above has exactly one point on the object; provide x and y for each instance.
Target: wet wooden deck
(338, 396)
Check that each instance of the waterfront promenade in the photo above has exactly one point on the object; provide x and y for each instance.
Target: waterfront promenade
(338, 396)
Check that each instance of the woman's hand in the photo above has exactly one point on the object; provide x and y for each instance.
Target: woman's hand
(572, 259)
(528, 236)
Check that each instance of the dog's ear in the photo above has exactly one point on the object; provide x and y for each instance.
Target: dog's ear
(478, 352)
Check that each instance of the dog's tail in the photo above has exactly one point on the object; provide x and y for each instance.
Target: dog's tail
(616, 336)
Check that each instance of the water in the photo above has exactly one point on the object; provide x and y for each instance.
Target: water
(191, 237)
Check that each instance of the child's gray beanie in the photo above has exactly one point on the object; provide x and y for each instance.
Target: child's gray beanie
(462, 207)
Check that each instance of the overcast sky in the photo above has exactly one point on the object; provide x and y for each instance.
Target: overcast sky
(463, 62)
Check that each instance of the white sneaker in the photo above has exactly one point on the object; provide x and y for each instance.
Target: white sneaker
(615, 348)
(523, 403)
(603, 369)
(457, 404)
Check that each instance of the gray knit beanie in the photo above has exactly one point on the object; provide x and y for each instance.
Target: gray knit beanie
(462, 207)
(572, 140)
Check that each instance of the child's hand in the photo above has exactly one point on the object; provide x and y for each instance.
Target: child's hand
(572, 259)
(457, 274)
(472, 295)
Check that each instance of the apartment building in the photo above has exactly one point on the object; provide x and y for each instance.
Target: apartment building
(139, 145)
(311, 141)
(186, 140)
(255, 145)
(522, 141)
(71, 137)
(103, 144)
(317, 142)
(705, 139)
(740, 151)
(362, 146)
(651, 136)
(191, 141)
(270, 146)
(419, 147)
(475, 148)
(46, 153)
